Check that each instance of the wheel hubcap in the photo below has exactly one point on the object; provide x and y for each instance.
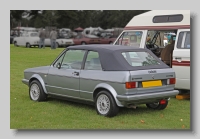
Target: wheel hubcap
(103, 104)
(34, 91)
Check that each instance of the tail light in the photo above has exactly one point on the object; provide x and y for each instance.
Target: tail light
(162, 102)
(171, 81)
(130, 85)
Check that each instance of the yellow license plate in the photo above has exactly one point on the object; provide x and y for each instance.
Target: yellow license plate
(151, 83)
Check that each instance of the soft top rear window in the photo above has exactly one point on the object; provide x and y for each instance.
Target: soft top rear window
(136, 59)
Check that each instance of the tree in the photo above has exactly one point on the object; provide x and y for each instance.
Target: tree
(73, 18)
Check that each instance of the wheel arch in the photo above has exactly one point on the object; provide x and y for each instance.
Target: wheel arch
(27, 44)
(110, 89)
(39, 78)
(83, 42)
(15, 41)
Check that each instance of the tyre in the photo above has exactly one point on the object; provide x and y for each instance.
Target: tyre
(105, 104)
(110, 42)
(28, 45)
(157, 105)
(36, 91)
(83, 43)
(15, 43)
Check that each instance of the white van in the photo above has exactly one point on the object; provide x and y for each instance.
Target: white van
(167, 34)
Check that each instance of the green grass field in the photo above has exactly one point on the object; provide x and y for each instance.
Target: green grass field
(60, 114)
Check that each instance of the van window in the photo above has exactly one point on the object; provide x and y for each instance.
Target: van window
(168, 18)
(187, 41)
(159, 38)
(131, 38)
(180, 39)
(183, 40)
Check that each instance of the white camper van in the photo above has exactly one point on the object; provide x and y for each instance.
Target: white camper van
(167, 34)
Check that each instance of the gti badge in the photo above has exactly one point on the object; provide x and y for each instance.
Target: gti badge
(152, 71)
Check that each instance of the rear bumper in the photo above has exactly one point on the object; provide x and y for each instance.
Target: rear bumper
(148, 97)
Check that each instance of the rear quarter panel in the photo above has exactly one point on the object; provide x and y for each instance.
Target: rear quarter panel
(89, 79)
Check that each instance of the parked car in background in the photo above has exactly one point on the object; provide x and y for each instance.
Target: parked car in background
(61, 42)
(21, 30)
(65, 33)
(93, 39)
(12, 38)
(104, 75)
(83, 39)
(92, 31)
(29, 39)
(107, 38)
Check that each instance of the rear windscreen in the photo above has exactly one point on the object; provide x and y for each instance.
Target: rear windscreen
(140, 59)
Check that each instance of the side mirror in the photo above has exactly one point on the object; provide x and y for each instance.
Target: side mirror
(58, 65)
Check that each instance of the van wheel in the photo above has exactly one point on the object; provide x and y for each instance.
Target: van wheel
(157, 105)
(105, 104)
(28, 45)
(110, 42)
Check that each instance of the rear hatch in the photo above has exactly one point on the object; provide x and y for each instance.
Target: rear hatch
(147, 73)
(152, 80)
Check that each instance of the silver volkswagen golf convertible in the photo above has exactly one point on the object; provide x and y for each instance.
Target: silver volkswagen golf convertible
(105, 75)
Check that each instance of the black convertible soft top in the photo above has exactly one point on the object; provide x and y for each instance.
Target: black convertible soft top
(112, 59)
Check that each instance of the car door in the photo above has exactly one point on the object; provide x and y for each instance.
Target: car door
(89, 76)
(104, 40)
(63, 75)
(181, 59)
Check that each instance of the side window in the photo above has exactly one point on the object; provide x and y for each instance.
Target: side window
(92, 61)
(78, 37)
(34, 34)
(180, 39)
(184, 40)
(132, 38)
(59, 61)
(187, 41)
(73, 59)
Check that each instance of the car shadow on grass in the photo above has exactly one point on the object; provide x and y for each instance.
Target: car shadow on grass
(141, 109)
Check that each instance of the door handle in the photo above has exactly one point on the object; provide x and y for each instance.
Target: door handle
(76, 73)
(177, 58)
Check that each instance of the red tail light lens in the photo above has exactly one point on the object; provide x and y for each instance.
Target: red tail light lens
(171, 81)
(162, 102)
(130, 85)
